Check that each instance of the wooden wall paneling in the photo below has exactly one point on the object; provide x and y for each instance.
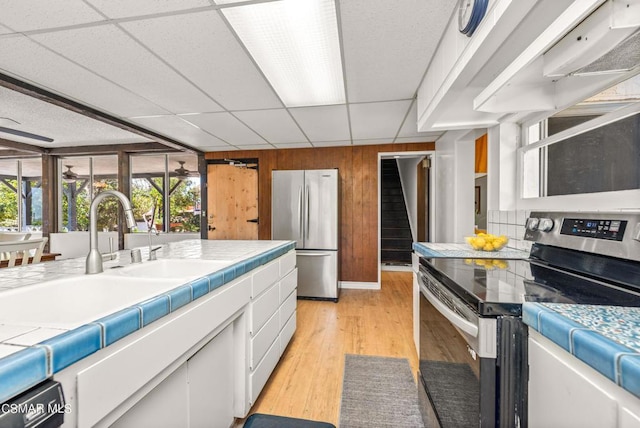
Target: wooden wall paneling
(346, 210)
(370, 213)
(355, 262)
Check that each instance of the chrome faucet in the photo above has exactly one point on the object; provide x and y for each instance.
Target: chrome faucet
(94, 258)
(151, 228)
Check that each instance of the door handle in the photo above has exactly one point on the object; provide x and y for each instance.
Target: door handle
(211, 228)
(300, 221)
(253, 220)
(306, 233)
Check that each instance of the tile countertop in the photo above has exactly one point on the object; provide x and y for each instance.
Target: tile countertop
(607, 338)
(31, 354)
(464, 251)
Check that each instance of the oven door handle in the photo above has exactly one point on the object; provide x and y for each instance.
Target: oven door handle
(455, 319)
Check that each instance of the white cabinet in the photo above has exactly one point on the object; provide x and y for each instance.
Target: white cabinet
(166, 406)
(272, 320)
(565, 392)
(198, 393)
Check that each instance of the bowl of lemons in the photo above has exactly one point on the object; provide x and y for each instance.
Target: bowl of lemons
(487, 242)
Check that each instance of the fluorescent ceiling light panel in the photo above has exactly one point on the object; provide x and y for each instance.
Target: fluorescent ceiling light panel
(295, 43)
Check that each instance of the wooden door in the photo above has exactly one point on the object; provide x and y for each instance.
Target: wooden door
(232, 193)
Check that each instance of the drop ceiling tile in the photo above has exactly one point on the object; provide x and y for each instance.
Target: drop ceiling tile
(225, 127)
(203, 48)
(109, 52)
(331, 143)
(377, 120)
(64, 126)
(409, 130)
(292, 145)
(323, 123)
(23, 58)
(126, 8)
(388, 45)
(179, 130)
(5, 30)
(28, 15)
(275, 126)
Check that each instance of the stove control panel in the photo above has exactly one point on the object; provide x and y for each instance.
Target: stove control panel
(614, 234)
(539, 224)
(591, 228)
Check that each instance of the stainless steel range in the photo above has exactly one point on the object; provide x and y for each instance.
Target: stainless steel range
(473, 344)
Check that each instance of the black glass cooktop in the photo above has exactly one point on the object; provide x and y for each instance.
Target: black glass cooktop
(499, 287)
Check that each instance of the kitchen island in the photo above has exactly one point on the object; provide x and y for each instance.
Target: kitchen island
(189, 338)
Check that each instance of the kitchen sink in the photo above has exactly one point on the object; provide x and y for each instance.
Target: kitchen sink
(186, 269)
(76, 300)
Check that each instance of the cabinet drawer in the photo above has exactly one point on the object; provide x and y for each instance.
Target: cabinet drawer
(287, 332)
(287, 308)
(264, 276)
(261, 342)
(261, 374)
(264, 307)
(288, 284)
(287, 262)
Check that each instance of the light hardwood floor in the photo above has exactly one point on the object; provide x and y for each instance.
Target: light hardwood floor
(308, 380)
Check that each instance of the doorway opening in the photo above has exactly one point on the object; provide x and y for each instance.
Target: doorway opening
(404, 206)
(232, 199)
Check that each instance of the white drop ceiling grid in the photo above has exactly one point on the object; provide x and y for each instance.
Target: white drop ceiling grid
(178, 69)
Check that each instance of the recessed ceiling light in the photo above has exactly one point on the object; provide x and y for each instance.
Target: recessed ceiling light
(296, 45)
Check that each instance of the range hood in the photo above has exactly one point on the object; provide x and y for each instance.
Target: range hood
(607, 41)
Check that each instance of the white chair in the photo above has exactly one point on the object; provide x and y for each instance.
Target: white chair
(25, 249)
(14, 236)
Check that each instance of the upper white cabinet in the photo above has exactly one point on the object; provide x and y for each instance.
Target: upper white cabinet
(581, 52)
(523, 58)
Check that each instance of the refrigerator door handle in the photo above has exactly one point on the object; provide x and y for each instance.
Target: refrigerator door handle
(307, 212)
(300, 225)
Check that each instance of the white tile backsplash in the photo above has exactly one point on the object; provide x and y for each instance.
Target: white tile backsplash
(509, 223)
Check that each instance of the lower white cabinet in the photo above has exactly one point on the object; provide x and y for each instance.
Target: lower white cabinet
(272, 320)
(166, 406)
(199, 393)
(565, 392)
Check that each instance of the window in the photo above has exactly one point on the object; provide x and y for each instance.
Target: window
(169, 183)
(82, 178)
(21, 204)
(592, 147)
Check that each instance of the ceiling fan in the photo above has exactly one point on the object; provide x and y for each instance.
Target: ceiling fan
(183, 173)
(20, 133)
(69, 176)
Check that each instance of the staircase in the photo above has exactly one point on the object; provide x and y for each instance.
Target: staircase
(396, 233)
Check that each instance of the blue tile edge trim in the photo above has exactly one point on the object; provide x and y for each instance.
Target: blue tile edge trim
(531, 314)
(598, 352)
(424, 251)
(558, 328)
(629, 370)
(120, 324)
(22, 370)
(30, 366)
(72, 346)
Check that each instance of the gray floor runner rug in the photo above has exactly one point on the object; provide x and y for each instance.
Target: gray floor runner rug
(378, 392)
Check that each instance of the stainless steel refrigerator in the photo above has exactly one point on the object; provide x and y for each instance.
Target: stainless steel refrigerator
(304, 208)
